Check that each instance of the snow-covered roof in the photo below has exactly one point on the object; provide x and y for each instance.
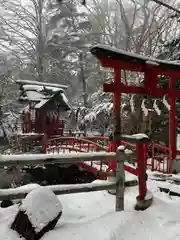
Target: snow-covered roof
(41, 93)
(32, 96)
(41, 103)
(114, 53)
(24, 109)
(46, 84)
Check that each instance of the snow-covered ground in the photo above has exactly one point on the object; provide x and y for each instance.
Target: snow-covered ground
(92, 216)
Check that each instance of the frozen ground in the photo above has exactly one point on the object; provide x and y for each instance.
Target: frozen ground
(92, 216)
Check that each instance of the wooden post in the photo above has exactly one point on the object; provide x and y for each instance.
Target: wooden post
(120, 178)
(44, 142)
(141, 161)
(172, 124)
(117, 115)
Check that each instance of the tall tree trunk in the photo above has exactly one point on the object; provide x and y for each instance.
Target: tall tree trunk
(2, 96)
(83, 80)
(2, 126)
(40, 42)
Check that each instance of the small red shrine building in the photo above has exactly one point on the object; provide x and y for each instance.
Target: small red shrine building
(46, 108)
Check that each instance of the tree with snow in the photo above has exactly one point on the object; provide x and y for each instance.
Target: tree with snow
(29, 33)
(134, 27)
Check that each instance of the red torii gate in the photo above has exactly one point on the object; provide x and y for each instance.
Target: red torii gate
(152, 69)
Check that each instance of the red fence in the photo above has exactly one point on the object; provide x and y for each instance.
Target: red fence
(78, 144)
(159, 158)
(87, 144)
(73, 144)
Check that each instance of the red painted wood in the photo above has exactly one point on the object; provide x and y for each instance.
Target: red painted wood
(117, 111)
(111, 148)
(157, 92)
(120, 64)
(153, 158)
(150, 79)
(73, 145)
(68, 141)
(156, 162)
(131, 170)
(172, 123)
(141, 161)
(45, 143)
(100, 174)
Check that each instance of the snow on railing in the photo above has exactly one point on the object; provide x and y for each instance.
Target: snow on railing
(6, 160)
(20, 192)
(63, 158)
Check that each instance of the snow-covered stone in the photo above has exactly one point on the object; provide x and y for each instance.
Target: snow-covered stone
(12, 235)
(41, 206)
(38, 214)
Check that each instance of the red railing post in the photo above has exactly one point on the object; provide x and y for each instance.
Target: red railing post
(145, 150)
(141, 162)
(111, 148)
(169, 162)
(44, 143)
(117, 114)
(152, 157)
(172, 121)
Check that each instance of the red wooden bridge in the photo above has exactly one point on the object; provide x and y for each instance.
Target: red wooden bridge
(158, 161)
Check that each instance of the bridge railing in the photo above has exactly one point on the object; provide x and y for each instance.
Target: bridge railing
(82, 144)
(21, 160)
(161, 160)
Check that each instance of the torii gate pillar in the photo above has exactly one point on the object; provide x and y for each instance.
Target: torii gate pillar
(172, 123)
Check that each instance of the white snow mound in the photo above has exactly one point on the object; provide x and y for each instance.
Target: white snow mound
(12, 235)
(41, 206)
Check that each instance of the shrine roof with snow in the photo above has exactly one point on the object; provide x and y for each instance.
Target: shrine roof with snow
(42, 93)
(117, 54)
